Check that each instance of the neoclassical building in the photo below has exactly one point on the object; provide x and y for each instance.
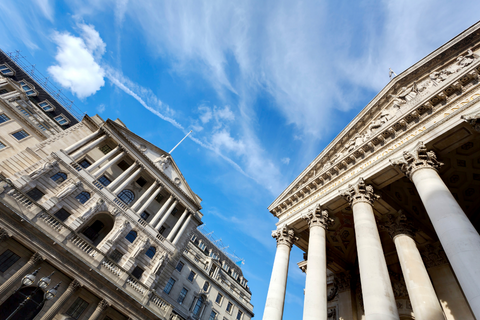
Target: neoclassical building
(93, 219)
(388, 215)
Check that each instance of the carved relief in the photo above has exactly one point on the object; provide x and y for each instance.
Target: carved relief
(433, 255)
(68, 190)
(100, 205)
(284, 236)
(42, 170)
(359, 192)
(398, 285)
(318, 217)
(343, 281)
(415, 159)
(332, 314)
(163, 162)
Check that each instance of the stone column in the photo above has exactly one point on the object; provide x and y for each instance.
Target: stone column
(88, 147)
(177, 225)
(159, 213)
(110, 163)
(456, 233)
(182, 230)
(278, 281)
(103, 159)
(315, 305)
(377, 292)
(127, 173)
(102, 305)
(422, 295)
(52, 312)
(82, 141)
(17, 276)
(166, 214)
(150, 199)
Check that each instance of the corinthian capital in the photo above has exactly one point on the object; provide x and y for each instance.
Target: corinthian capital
(418, 158)
(473, 119)
(318, 217)
(359, 192)
(396, 225)
(285, 236)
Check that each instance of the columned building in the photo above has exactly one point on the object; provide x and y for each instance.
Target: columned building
(388, 215)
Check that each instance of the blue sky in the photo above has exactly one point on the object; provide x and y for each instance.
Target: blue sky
(264, 85)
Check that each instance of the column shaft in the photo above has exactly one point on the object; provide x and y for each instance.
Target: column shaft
(82, 141)
(149, 200)
(52, 312)
(137, 203)
(112, 186)
(159, 213)
(102, 159)
(422, 295)
(177, 225)
(166, 214)
(108, 165)
(182, 230)
(102, 305)
(127, 181)
(88, 147)
(15, 278)
(457, 235)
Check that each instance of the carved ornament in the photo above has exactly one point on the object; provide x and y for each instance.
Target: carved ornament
(285, 236)
(359, 192)
(42, 170)
(398, 225)
(473, 119)
(418, 158)
(433, 255)
(3, 234)
(318, 218)
(68, 190)
(74, 285)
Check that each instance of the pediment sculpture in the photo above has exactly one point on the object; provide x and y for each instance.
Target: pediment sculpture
(163, 161)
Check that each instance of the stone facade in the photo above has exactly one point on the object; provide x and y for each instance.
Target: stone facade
(401, 183)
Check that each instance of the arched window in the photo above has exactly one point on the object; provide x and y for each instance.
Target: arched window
(126, 196)
(59, 177)
(83, 197)
(206, 285)
(93, 231)
(151, 252)
(131, 236)
(31, 307)
(198, 306)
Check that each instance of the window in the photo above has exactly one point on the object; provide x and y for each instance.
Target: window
(239, 315)
(145, 215)
(174, 211)
(42, 127)
(104, 180)
(141, 182)
(151, 252)
(19, 135)
(35, 194)
(25, 112)
(105, 149)
(213, 255)
(28, 89)
(137, 272)
(116, 256)
(131, 236)
(162, 230)
(123, 165)
(213, 316)
(61, 119)
(6, 71)
(85, 163)
(169, 286)
(7, 259)
(3, 91)
(159, 198)
(198, 306)
(4, 118)
(193, 238)
(46, 106)
(202, 246)
(62, 214)
(127, 196)
(191, 276)
(229, 307)
(59, 177)
(182, 295)
(93, 230)
(83, 197)
(77, 308)
(225, 267)
(179, 266)
(2, 145)
(219, 298)
(206, 285)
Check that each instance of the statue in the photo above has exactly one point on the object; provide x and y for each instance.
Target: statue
(43, 169)
(68, 190)
(163, 162)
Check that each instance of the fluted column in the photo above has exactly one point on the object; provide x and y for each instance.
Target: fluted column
(102, 305)
(278, 281)
(52, 312)
(182, 230)
(377, 292)
(81, 142)
(103, 159)
(110, 163)
(177, 225)
(456, 233)
(315, 304)
(166, 214)
(422, 295)
(84, 150)
(120, 178)
(149, 200)
(17, 276)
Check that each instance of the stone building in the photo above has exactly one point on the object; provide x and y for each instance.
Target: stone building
(388, 213)
(207, 284)
(93, 218)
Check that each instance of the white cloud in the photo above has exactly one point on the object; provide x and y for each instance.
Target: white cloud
(205, 114)
(76, 68)
(224, 114)
(101, 108)
(285, 160)
(46, 7)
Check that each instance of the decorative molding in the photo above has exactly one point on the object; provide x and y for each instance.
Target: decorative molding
(285, 236)
(473, 119)
(399, 224)
(66, 191)
(433, 255)
(99, 205)
(42, 170)
(318, 217)
(398, 285)
(102, 305)
(36, 257)
(343, 281)
(3, 234)
(417, 158)
(74, 285)
(359, 192)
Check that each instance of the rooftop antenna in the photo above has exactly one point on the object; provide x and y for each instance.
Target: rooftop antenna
(180, 141)
(391, 72)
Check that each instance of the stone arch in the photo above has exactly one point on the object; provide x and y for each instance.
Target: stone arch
(98, 227)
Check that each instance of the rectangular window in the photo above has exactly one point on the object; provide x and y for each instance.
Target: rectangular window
(213, 316)
(159, 198)
(6, 70)
(137, 272)
(179, 266)
(3, 91)
(191, 276)
(182, 295)
(162, 230)
(174, 211)
(46, 106)
(62, 120)
(62, 214)
(202, 246)
(116, 256)
(105, 149)
(77, 308)
(229, 307)
(7, 259)
(123, 165)
(239, 315)
(19, 135)
(35, 194)
(219, 298)
(2, 145)
(25, 112)
(169, 286)
(141, 182)
(4, 118)
(85, 163)
(145, 215)
(104, 180)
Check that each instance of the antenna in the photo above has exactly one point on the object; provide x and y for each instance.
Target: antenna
(180, 141)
